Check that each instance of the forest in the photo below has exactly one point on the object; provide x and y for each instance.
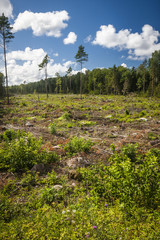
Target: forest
(116, 80)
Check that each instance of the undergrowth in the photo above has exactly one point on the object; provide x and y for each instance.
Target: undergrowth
(117, 200)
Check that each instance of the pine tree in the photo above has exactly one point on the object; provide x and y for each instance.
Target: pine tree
(81, 57)
(6, 35)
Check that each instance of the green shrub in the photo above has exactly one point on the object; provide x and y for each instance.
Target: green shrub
(134, 185)
(53, 128)
(152, 136)
(23, 153)
(29, 179)
(130, 151)
(78, 145)
(66, 116)
(6, 208)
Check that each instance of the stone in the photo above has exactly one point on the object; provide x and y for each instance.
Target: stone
(28, 124)
(143, 119)
(57, 187)
(38, 168)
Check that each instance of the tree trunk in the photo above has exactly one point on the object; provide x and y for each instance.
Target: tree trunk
(5, 62)
(70, 84)
(46, 80)
(81, 81)
(152, 83)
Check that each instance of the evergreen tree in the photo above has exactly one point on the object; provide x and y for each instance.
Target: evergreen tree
(154, 67)
(6, 35)
(81, 57)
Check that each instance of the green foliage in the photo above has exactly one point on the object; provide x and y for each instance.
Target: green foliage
(11, 134)
(78, 145)
(135, 185)
(87, 123)
(53, 128)
(23, 152)
(119, 200)
(29, 179)
(152, 136)
(66, 116)
(130, 151)
(6, 208)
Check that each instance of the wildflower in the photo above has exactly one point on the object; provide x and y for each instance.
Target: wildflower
(63, 212)
(126, 228)
(68, 218)
(68, 210)
(74, 211)
(73, 221)
(87, 235)
(94, 227)
(106, 205)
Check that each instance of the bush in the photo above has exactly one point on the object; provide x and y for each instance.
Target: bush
(11, 134)
(78, 145)
(22, 153)
(134, 185)
(130, 150)
(53, 128)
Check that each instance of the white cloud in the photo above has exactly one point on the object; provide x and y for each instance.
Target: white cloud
(27, 55)
(6, 8)
(74, 72)
(124, 65)
(49, 23)
(55, 54)
(88, 39)
(23, 66)
(71, 38)
(140, 45)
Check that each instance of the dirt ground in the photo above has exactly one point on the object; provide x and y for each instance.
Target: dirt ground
(105, 132)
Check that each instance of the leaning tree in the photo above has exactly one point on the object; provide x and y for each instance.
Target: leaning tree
(81, 57)
(6, 36)
(42, 65)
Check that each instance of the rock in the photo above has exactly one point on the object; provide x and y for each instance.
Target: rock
(143, 119)
(38, 168)
(57, 187)
(28, 124)
(76, 162)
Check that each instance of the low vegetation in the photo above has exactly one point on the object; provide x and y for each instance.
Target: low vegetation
(74, 168)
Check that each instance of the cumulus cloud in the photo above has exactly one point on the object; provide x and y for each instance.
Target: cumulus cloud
(140, 45)
(27, 55)
(6, 8)
(49, 23)
(124, 65)
(71, 38)
(23, 66)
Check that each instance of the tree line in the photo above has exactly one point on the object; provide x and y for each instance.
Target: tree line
(116, 80)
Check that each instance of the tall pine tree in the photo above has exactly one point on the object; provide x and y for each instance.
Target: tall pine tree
(6, 35)
(81, 57)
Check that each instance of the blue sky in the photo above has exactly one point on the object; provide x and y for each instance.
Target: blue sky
(112, 32)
